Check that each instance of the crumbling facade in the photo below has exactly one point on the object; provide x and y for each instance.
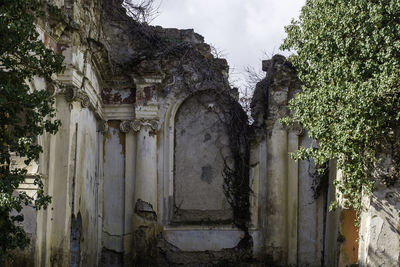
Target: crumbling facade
(155, 163)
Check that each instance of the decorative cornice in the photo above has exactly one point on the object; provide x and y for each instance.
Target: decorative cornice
(119, 112)
(125, 126)
(139, 123)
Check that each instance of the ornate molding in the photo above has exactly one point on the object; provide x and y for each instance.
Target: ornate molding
(125, 126)
(75, 94)
(119, 112)
(139, 123)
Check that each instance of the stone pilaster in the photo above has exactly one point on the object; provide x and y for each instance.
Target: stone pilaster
(269, 105)
(145, 127)
(293, 196)
(61, 173)
(130, 167)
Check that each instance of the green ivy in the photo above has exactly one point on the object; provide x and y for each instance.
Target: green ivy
(24, 114)
(347, 54)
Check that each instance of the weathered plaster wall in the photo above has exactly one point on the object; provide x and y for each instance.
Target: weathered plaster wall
(379, 231)
(74, 184)
(68, 231)
(349, 238)
(269, 103)
(113, 200)
(120, 199)
(201, 146)
(58, 213)
(296, 219)
(166, 66)
(311, 214)
(86, 184)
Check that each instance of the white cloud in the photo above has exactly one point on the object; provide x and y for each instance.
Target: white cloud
(244, 30)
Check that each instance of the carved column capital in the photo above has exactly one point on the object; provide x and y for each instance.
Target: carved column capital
(73, 93)
(139, 123)
(125, 126)
(297, 129)
(102, 127)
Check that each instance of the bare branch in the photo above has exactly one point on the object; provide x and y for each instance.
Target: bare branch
(253, 77)
(217, 52)
(246, 89)
(143, 11)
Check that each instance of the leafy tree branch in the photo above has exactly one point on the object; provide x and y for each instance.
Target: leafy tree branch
(24, 114)
(347, 54)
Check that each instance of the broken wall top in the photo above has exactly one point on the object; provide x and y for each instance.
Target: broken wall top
(271, 95)
(124, 50)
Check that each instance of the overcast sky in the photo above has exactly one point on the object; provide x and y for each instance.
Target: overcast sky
(244, 30)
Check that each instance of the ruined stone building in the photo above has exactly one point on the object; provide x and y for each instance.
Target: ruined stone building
(155, 163)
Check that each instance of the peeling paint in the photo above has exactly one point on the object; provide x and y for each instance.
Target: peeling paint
(118, 61)
(145, 210)
(349, 248)
(148, 93)
(118, 96)
(114, 182)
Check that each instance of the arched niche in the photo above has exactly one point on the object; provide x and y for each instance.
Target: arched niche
(201, 148)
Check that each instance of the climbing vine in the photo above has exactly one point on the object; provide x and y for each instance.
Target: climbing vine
(190, 68)
(236, 176)
(195, 59)
(347, 54)
(236, 179)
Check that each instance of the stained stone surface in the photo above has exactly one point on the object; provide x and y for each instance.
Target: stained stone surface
(201, 144)
(156, 193)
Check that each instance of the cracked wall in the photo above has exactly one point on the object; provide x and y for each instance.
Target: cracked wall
(140, 155)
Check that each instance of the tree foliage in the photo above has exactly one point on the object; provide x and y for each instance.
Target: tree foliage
(24, 113)
(347, 54)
